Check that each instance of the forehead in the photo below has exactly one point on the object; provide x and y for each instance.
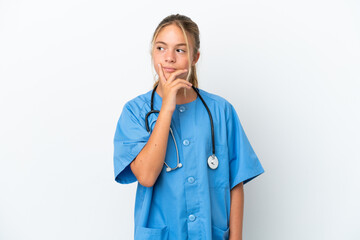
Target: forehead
(171, 34)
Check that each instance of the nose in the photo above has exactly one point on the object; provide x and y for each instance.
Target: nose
(169, 56)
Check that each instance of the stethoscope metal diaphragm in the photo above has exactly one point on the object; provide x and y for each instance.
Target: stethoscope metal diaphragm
(213, 162)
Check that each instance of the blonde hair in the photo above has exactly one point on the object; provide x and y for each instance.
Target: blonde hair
(187, 26)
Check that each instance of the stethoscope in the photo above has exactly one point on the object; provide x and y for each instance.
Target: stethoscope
(212, 161)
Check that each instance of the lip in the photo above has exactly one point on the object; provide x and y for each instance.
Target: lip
(169, 69)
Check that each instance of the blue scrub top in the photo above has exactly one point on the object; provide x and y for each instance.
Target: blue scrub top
(191, 202)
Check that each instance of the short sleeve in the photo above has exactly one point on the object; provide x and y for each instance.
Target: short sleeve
(244, 164)
(130, 137)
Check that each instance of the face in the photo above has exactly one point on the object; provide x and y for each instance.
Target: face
(170, 51)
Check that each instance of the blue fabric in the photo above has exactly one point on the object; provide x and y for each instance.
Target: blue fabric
(191, 202)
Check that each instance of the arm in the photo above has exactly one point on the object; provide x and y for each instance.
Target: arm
(236, 212)
(149, 162)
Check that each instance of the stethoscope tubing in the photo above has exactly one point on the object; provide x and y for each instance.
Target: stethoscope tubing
(157, 111)
(211, 120)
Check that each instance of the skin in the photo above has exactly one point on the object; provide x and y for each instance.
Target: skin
(236, 212)
(170, 53)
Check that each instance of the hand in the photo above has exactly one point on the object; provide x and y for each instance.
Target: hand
(170, 87)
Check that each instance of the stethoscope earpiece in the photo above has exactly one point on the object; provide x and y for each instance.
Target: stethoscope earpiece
(169, 169)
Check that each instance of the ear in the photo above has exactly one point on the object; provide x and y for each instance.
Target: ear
(196, 58)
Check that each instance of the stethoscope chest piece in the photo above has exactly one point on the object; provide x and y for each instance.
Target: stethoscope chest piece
(213, 162)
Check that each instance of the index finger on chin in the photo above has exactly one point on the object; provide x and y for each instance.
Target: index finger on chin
(161, 74)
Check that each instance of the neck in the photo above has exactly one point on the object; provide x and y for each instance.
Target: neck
(183, 95)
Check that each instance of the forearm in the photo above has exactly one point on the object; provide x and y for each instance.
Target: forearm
(236, 212)
(149, 162)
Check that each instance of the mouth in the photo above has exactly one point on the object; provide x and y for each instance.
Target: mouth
(169, 69)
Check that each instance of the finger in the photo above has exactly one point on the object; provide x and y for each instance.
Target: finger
(175, 74)
(161, 74)
(180, 85)
(179, 80)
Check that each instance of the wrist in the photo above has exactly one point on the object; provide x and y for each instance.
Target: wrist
(167, 110)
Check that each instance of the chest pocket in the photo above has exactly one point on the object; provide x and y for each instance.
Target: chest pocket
(220, 177)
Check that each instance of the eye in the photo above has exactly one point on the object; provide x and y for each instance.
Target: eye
(159, 48)
(181, 50)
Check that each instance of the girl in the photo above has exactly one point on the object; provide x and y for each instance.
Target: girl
(192, 157)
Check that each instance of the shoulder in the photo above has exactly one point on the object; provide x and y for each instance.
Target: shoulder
(217, 102)
(133, 111)
(138, 103)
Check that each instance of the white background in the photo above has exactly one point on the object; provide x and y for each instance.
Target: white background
(290, 68)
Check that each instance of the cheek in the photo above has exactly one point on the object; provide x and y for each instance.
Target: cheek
(156, 68)
(155, 62)
(184, 60)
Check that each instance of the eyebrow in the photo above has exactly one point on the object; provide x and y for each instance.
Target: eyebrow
(180, 44)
